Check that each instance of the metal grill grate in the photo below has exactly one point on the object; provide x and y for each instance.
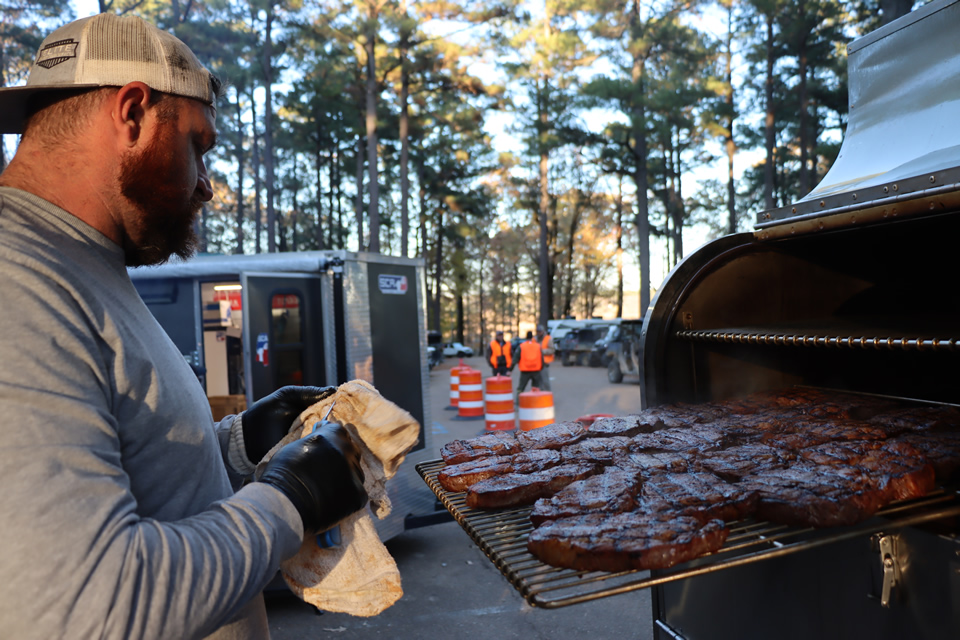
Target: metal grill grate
(502, 536)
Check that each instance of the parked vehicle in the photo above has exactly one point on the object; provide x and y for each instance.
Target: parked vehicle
(575, 346)
(600, 353)
(434, 349)
(457, 349)
(626, 353)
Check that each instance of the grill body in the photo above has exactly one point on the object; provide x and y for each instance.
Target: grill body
(852, 288)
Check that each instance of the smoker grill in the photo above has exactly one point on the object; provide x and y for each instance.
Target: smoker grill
(854, 289)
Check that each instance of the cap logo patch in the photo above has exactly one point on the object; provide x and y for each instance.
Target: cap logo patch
(57, 52)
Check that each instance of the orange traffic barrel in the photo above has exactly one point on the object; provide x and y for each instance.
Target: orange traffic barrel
(498, 399)
(536, 409)
(455, 384)
(470, 403)
(588, 420)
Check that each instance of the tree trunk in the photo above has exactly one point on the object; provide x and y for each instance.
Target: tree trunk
(370, 45)
(359, 203)
(404, 147)
(769, 121)
(620, 247)
(268, 131)
(803, 121)
(240, 171)
(257, 211)
(729, 144)
(544, 207)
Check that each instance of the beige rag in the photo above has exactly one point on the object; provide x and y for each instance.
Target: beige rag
(358, 576)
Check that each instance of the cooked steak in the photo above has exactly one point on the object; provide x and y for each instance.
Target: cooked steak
(738, 461)
(700, 495)
(940, 449)
(628, 426)
(518, 489)
(922, 419)
(489, 444)
(910, 475)
(693, 439)
(818, 495)
(599, 450)
(552, 436)
(655, 462)
(613, 491)
(459, 477)
(624, 541)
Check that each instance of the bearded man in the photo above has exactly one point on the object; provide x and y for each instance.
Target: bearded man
(122, 508)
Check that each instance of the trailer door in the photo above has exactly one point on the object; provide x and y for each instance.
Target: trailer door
(282, 332)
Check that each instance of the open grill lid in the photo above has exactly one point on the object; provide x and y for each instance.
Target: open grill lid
(901, 152)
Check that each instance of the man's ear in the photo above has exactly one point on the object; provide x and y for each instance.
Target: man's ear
(128, 110)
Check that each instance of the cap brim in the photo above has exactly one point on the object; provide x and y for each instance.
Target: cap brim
(14, 102)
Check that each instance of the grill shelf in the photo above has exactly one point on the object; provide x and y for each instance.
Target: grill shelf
(502, 535)
(850, 338)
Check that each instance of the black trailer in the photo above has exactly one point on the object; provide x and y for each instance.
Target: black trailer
(250, 324)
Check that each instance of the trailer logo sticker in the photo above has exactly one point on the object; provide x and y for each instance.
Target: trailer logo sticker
(393, 285)
(263, 349)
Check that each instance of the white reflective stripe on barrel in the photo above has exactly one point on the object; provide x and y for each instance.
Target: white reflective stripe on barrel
(470, 387)
(499, 397)
(469, 404)
(501, 417)
(542, 413)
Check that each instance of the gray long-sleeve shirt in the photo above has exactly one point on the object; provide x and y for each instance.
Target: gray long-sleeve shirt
(117, 517)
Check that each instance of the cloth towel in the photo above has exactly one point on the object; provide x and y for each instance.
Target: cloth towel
(358, 576)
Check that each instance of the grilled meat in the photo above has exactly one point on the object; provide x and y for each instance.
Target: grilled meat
(628, 426)
(738, 461)
(489, 444)
(700, 495)
(461, 476)
(818, 495)
(518, 489)
(552, 436)
(624, 541)
(599, 450)
(655, 462)
(613, 491)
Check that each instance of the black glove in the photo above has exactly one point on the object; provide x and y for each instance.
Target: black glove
(321, 475)
(269, 419)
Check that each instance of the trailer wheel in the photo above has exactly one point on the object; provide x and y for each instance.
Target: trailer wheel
(614, 374)
(565, 359)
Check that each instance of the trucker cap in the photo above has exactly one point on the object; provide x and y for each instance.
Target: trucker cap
(107, 50)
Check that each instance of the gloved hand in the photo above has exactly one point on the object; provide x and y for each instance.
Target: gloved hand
(321, 475)
(269, 419)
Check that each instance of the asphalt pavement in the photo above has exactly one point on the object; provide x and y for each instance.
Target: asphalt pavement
(451, 589)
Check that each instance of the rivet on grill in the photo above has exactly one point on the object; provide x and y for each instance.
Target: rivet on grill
(854, 196)
(794, 210)
(933, 206)
(895, 187)
(886, 189)
(822, 203)
(933, 179)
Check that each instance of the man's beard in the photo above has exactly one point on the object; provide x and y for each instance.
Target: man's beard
(162, 222)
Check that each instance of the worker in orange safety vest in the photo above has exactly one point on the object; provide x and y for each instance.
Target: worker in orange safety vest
(499, 356)
(528, 356)
(546, 345)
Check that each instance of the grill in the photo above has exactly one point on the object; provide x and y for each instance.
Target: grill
(854, 289)
(502, 536)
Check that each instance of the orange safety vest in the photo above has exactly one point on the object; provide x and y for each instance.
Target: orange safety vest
(497, 350)
(547, 358)
(530, 353)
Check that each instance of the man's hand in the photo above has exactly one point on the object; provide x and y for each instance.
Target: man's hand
(269, 419)
(321, 475)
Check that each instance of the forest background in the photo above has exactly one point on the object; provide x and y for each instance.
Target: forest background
(543, 157)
